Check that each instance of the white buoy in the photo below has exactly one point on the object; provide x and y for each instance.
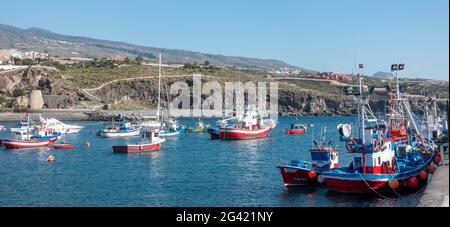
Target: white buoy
(320, 179)
(51, 158)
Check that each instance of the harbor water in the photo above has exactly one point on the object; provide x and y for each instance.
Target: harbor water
(191, 170)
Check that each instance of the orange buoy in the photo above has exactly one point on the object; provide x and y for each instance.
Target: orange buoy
(423, 175)
(312, 174)
(437, 159)
(413, 182)
(87, 144)
(51, 158)
(393, 183)
(431, 169)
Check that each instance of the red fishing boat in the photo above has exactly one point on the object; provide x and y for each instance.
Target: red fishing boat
(19, 144)
(250, 126)
(152, 144)
(296, 129)
(303, 173)
(242, 127)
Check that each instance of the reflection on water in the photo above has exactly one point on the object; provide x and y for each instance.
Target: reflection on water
(192, 170)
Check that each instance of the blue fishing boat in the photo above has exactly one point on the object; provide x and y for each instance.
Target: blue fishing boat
(380, 160)
(170, 128)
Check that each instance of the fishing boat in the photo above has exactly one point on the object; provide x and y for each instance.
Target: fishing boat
(170, 128)
(22, 127)
(19, 144)
(380, 160)
(199, 127)
(250, 126)
(58, 126)
(434, 124)
(125, 129)
(152, 142)
(305, 173)
(2, 128)
(150, 122)
(214, 132)
(29, 142)
(296, 129)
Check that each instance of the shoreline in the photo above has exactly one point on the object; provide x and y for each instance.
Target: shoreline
(60, 115)
(82, 114)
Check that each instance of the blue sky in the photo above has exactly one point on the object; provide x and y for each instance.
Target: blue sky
(327, 35)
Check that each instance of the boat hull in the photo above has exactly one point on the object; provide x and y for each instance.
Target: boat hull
(136, 148)
(242, 134)
(366, 183)
(63, 146)
(120, 134)
(295, 131)
(164, 134)
(196, 130)
(214, 133)
(20, 144)
(296, 176)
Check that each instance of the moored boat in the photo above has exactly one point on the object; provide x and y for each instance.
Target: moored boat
(152, 143)
(199, 127)
(22, 127)
(304, 173)
(296, 129)
(250, 126)
(170, 128)
(58, 126)
(19, 144)
(125, 129)
(385, 162)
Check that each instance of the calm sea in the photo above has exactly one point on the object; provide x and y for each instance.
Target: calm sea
(188, 171)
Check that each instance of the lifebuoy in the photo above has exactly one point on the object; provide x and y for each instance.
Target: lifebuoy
(348, 145)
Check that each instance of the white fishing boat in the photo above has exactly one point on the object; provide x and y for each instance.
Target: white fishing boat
(58, 126)
(125, 129)
(22, 127)
(150, 122)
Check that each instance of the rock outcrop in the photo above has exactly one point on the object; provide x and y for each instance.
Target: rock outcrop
(47, 80)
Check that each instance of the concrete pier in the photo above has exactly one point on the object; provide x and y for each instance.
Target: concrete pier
(437, 192)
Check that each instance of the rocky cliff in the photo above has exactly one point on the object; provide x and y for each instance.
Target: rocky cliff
(55, 93)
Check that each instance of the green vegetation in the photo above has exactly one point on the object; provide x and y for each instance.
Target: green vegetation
(19, 92)
(130, 106)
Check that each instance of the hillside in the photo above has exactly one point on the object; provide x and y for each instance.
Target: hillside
(76, 46)
(135, 87)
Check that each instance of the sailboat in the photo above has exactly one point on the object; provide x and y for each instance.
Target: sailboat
(169, 126)
(380, 161)
(152, 140)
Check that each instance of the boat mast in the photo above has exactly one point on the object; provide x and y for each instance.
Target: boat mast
(362, 124)
(28, 125)
(159, 86)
